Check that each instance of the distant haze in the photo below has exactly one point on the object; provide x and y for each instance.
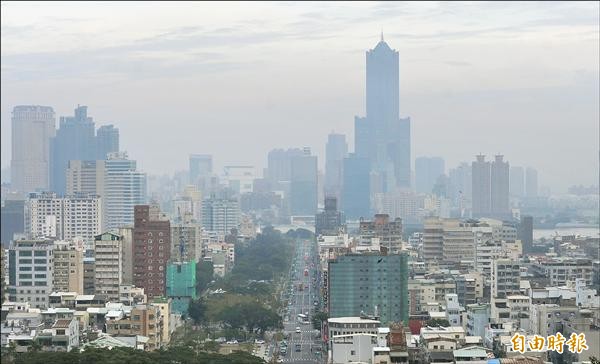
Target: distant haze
(236, 80)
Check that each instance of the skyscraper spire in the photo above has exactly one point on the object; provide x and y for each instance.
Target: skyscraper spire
(382, 35)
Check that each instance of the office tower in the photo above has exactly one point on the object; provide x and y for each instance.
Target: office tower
(201, 167)
(108, 268)
(303, 184)
(526, 234)
(427, 172)
(75, 140)
(33, 126)
(369, 284)
(517, 181)
(240, 179)
(531, 182)
(356, 190)
(389, 232)
(68, 266)
(63, 218)
(123, 188)
(335, 152)
(330, 221)
(12, 220)
(500, 188)
(220, 214)
(30, 271)
(481, 187)
(381, 136)
(151, 249)
(107, 141)
(280, 164)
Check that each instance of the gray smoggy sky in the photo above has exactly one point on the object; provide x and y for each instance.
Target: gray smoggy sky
(238, 79)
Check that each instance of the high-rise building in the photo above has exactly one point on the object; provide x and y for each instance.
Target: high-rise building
(107, 141)
(427, 171)
(517, 181)
(220, 214)
(68, 266)
(382, 136)
(531, 182)
(63, 218)
(482, 201)
(303, 185)
(108, 268)
(123, 188)
(201, 167)
(330, 221)
(30, 271)
(181, 284)
(402, 203)
(186, 241)
(151, 249)
(526, 234)
(500, 188)
(461, 182)
(369, 284)
(33, 127)
(118, 182)
(75, 140)
(356, 190)
(335, 152)
(280, 165)
(12, 220)
(389, 232)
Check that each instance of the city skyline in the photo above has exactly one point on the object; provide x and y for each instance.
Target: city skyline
(457, 65)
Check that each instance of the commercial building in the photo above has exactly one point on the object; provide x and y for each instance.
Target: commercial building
(181, 285)
(33, 126)
(220, 214)
(372, 284)
(107, 141)
(30, 271)
(201, 168)
(356, 190)
(240, 179)
(151, 249)
(335, 152)
(12, 220)
(303, 184)
(330, 221)
(388, 232)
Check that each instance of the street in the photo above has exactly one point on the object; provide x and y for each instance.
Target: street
(305, 346)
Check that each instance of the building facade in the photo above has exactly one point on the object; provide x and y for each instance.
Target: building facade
(30, 271)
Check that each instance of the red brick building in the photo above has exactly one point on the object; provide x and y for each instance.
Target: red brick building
(151, 249)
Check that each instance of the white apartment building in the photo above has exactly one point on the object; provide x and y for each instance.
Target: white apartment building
(63, 218)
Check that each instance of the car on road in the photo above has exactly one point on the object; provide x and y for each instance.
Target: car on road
(258, 341)
(298, 347)
(297, 329)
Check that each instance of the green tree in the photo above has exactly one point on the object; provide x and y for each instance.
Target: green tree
(318, 319)
(438, 322)
(197, 310)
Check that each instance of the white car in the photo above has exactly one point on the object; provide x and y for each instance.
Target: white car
(297, 329)
(257, 341)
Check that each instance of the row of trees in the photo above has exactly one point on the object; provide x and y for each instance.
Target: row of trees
(172, 355)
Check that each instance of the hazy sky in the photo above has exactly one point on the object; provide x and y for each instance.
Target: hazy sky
(238, 79)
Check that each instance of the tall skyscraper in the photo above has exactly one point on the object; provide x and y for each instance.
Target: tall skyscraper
(303, 184)
(526, 234)
(33, 126)
(201, 167)
(151, 250)
(280, 164)
(461, 183)
(500, 188)
(531, 182)
(517, 181)
(356, 200)
(382, 136)
(335, 152)
(107, 141)
(482, 202)
(75, 140)
(427, 171)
